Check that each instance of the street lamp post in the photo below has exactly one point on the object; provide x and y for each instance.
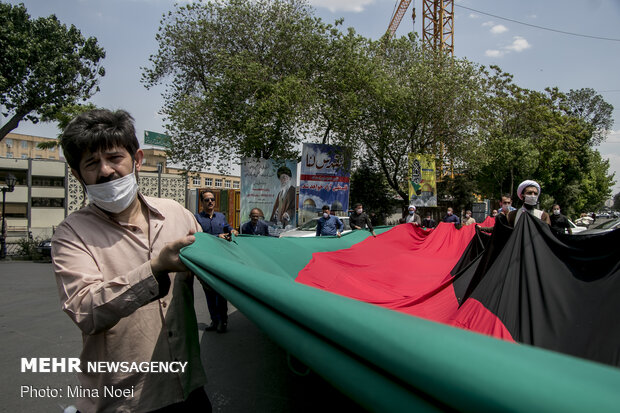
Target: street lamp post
(10, 182)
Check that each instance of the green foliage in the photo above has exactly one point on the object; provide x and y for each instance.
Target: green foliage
(44, 66)
(255, 79)
(63, 116)
(368, 187)
(28, 248)
(413, 101)
(460, 191)
(536, 135)
(238, 78)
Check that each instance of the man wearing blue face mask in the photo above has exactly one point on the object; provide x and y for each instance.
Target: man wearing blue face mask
(120, 278)
(528, 191)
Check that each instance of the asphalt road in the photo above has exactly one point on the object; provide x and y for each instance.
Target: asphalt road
(247, 372)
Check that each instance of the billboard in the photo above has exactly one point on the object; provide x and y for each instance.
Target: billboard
(271, 186)
(422, 180)
(324, 180)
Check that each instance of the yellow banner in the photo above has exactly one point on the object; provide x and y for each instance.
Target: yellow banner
(422, 180)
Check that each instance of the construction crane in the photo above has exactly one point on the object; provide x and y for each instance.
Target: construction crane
(437, 23)
(398, 16)
(437, 34)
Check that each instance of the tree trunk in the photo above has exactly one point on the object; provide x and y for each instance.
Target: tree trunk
(11, 124)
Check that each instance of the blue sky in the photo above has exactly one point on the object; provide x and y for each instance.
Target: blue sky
(537, 58)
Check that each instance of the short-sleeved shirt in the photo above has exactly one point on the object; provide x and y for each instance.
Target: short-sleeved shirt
(214, 225)
(107, 288)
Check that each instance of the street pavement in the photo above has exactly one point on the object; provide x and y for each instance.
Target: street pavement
(247, 372)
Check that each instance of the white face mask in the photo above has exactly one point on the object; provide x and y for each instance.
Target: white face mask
(116, 195)
(411, 212)
(467, 215)
(556, 212)
(325, 215)
(449, 212)
(530, 199)
(359, 210)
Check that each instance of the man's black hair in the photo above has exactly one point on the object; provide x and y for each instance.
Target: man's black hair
(325, 208)
(507, 196)
(96, 130)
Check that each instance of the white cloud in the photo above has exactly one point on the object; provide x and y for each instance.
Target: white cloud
(488, 24)
(493, 53)
(519, 44)
(342, 5)
(499, 29)
(473, 16)
(613, 137)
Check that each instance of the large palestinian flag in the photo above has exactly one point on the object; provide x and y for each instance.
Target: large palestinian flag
(430, 320)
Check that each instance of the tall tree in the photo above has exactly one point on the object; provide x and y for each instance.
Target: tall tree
(535, 135)
(238, 78)
(44, 65)
(369, 187)
(590, 107)
(414, 101)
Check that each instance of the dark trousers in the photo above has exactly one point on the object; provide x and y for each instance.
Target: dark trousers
(218, 306)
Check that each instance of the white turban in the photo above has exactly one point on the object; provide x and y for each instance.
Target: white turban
(412, 206)
(524, 185)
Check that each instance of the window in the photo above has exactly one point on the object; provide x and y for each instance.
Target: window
(226, 183)
(196, 180)
(53, 149)
(235, 184)
(8, 142)
(218, 183)
(9, 154)
(24, 144)
(48, 202)
(208, 181)
(38, 157)
(16, 210)
(57, 181)
(24, 156)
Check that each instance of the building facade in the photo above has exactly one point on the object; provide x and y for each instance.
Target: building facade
(18, 146)
(46, 191)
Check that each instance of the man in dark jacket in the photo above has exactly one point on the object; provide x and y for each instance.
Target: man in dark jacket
(559, 222)
(451, 218)
(255, 226)
(359, 219)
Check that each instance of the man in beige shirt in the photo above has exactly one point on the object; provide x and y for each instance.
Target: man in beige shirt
(120, 278)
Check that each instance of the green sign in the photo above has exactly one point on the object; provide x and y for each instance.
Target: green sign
(154, 138)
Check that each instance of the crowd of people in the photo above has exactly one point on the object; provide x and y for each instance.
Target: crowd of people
(122, 282)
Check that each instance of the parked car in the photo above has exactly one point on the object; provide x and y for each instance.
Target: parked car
(576, 229)
(309, 229)
(599, 228)
(45, 248)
